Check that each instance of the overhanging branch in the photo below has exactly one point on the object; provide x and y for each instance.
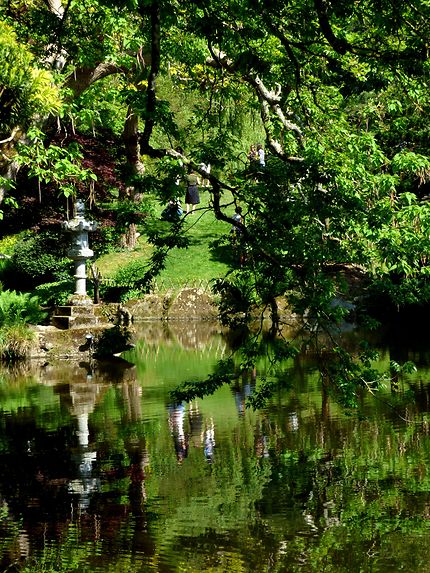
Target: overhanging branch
(82, 78)
(270, 101)
(340, 45)
(151, 101)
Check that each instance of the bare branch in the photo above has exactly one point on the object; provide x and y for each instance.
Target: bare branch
(270, 101)
(82, 78)
(11, 137)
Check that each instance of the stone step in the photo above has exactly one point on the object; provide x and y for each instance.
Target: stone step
(70, 310)
(66, 322)
(79, 321)
(63, 322)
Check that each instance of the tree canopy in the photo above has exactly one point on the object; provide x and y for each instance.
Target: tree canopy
(337, 92)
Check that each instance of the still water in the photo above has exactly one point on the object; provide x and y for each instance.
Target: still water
(100, 471)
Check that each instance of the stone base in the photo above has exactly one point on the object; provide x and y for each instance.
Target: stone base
(80, 300)
(76, 316)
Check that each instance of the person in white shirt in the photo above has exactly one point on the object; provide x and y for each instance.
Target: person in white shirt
(261, 155)
(206, 167)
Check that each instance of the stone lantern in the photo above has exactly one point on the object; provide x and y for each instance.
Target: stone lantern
(79, 251)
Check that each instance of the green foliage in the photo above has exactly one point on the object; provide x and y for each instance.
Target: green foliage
(124, 283)
(56, 165)
(7, 244)
(237, 298)
(37, 259)
(407, 162)
(130, 273)
(405, 368)
(16, 338)
(112, 341)
(19, 308)
(55, 293)
(347, 375)
(26, 90)
(96, 109)
(109, 236)
(7, 185)
(129, 212)
(337, 93)
(105, 240)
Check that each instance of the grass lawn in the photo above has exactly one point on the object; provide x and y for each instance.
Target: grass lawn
(194, 266)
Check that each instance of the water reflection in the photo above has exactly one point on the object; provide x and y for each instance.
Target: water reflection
(101, 470)
(243, 388)
(193, 335)
(176, 425)
(85, 485)
(190, 427)
(209, 440)
(196, 422)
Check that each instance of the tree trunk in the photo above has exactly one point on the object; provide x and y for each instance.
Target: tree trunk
(130, 136)
(128, 239)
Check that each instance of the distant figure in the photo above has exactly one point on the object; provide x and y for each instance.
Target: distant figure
(261, 155)
(192, 196)
(237, 217)
(252, 154)
(173, 211)
(206, 167)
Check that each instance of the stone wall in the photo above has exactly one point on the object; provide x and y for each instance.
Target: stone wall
(187, 304)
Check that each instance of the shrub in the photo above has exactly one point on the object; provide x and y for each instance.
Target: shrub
(55, 294)
(7, 244)
(16, 341)
(128, 212)
(131, 294)
(105, 239)
(130, 273)
(123, 286)
(112, 341)
(36, 260)
(19, 309)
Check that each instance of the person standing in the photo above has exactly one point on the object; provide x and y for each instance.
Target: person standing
(192, 196)
(237, 217)
(261, 155)
(206, 168)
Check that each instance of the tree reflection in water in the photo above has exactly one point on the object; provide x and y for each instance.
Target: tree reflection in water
(90, 479)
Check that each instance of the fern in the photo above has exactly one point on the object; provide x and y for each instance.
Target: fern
(19, 308)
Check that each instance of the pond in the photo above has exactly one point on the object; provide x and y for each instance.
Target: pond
(101, 471)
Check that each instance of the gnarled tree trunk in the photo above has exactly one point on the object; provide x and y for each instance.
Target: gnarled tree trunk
(130, 136)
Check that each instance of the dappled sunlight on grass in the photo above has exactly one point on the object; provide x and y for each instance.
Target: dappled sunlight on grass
(108, 264)
(201, 261)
